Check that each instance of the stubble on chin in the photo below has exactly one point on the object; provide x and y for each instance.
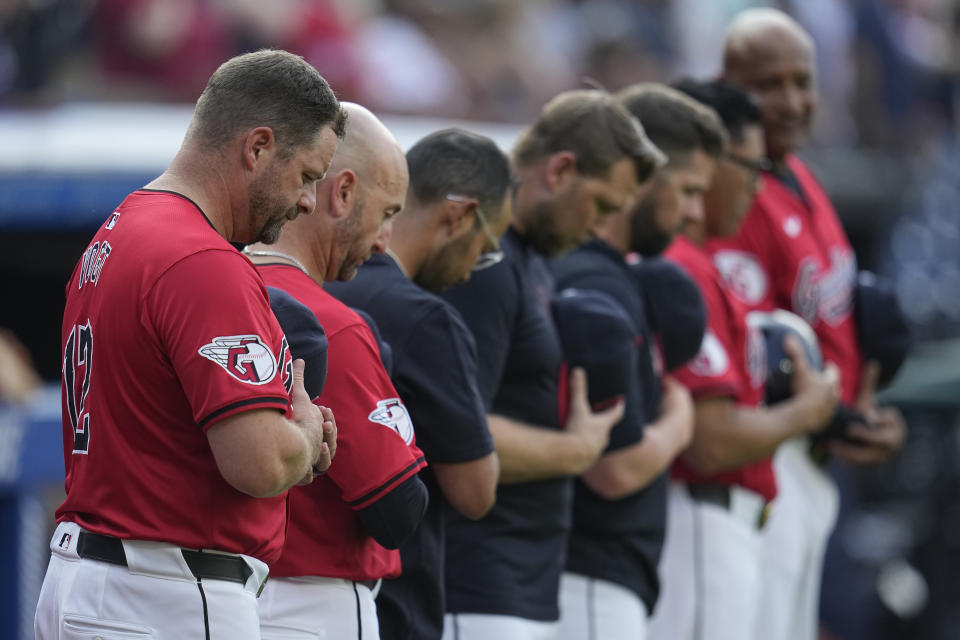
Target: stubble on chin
(271, 232)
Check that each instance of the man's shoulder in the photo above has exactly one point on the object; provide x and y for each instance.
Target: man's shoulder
(333, 314)
(159, 229)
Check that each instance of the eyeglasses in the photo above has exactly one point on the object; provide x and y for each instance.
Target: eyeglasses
(751, 165)
(487, 258)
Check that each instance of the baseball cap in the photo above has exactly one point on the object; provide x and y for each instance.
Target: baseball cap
(881, 324)
(597, 334)
(306, 338)
(386, 353)
(675, 309)
(776, 326)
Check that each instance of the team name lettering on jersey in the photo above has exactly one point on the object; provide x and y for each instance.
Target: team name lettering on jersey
(392, 414)
(246, 358)
(93, 260)
(828, 294)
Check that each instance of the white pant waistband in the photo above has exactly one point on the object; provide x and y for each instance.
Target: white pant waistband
(744, 504)
(150, 558)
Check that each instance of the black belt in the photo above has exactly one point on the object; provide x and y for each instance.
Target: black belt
(719, 494)
(95, 546)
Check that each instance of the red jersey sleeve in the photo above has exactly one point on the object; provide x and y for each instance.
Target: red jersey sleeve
(210, 314)
(375, 440)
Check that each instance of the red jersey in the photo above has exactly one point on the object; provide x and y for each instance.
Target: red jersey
(792, 253)
(167, 330)
(731, 362)
(375, 448)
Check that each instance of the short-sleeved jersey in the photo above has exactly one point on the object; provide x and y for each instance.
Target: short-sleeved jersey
(375, 447)
(435, 372)
(731, 362)
(792, 253)
(619, 540)
(167, 330)
(510, 561)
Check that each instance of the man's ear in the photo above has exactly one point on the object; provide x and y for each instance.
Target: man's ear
(458, 217)
(561, 169)
(343, 192)
(259, 145)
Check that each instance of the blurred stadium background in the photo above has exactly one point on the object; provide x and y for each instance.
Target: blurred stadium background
(95, 96)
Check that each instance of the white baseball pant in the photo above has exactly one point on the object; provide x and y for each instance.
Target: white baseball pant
(155, 596)
(484, 626)
(710, 569)
(794, 542)
(314, 608)
(592, 609)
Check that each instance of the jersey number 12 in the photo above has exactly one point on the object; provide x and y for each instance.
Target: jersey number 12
(78, 357)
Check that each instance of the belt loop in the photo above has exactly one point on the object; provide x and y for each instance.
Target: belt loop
(259, 575)
(764, 516)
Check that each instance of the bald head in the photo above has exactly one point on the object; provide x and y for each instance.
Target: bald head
(772, 56)
(762, 31)
(368, 146)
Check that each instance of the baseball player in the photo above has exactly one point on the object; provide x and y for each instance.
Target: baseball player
(611, 585)
(179, 436)
(345, 528)
(792, 253)
(456, 210)
(582, 158)
(712, 558)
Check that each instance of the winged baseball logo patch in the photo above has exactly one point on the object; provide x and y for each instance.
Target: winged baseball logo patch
(246, 358)
(391, 413)
(712, 361)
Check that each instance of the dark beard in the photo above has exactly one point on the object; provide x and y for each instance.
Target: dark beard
(263, 207)
(646, 238)
(270, 232)
(542, 235)
(436, 274)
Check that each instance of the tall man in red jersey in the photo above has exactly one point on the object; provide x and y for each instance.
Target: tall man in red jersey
(792, 253)
(345, 529)
(179, 436)
(711, 564)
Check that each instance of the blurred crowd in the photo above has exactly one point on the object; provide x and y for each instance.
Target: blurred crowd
(889, 76)
(888, 68)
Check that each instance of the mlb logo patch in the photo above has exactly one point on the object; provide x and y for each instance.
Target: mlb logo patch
(65, 541)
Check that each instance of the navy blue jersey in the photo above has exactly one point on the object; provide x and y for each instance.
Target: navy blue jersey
(434, 371)
(619, 540)
(510, 562)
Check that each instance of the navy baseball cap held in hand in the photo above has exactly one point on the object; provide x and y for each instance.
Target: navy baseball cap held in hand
(882, 327)
(776, 326)
(386, 353)
(597, 335)
(675, 309)
(306, 337)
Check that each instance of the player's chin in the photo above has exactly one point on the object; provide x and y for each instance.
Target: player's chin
(271, 232)
(790, 137)
(348, 272)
